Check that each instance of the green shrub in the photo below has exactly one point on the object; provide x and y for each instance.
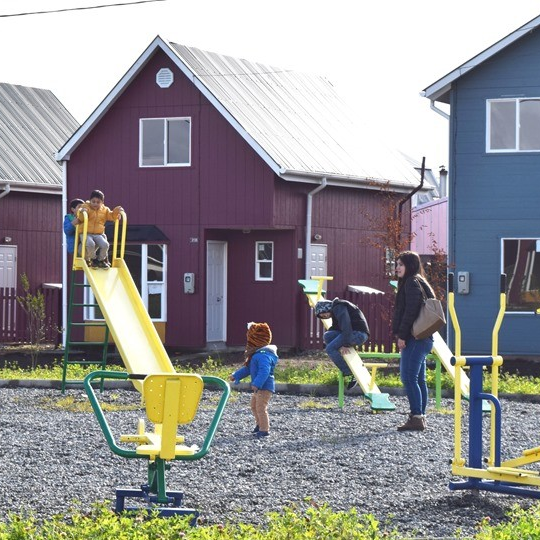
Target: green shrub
(293, 523)
(522, 524)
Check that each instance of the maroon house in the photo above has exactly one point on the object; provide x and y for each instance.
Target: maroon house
(33, 124)
(238, 179)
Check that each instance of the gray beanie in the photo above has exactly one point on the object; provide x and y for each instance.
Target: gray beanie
(323, 306)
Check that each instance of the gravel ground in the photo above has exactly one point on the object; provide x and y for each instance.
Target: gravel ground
(52, 458)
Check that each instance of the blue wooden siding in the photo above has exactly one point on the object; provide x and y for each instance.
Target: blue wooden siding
(493, 196)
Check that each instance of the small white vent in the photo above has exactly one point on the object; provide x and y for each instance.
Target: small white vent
(164, 78)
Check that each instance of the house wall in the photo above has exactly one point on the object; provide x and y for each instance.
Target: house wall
(429, 227)
(228, 189)
(492, 196)
(34, 223)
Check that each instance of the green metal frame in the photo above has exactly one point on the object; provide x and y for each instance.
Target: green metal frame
(157, 466)
(70, 324)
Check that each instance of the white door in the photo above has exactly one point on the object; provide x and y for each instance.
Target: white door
(8, 266)
(8, 279)
(216, 291)
(318, 265)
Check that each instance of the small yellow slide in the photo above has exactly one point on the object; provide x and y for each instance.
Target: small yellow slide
(444, 354)
(126, 316)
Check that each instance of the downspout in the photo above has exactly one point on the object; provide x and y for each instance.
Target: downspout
(7, 189)
(417, 188)
(437, 110)
(308, 222)
(64, 254)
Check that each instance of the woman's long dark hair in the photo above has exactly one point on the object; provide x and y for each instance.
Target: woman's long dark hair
(413, 267)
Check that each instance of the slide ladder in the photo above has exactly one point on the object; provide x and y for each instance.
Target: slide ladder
(78, 305)
(379, 401)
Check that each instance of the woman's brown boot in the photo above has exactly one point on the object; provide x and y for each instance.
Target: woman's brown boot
(414, 423)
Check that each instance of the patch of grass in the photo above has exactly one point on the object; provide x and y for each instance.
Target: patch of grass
(315, 404)
(318, 369)
(80, 404)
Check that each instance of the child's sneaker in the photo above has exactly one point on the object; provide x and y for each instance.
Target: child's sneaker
(261, 434)
(103, 264)
(256, 429)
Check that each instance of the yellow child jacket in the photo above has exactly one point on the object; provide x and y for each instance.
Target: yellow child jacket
(97, 218)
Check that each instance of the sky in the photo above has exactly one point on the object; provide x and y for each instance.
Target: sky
(379, 55)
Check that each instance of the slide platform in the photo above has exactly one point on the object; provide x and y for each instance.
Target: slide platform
(134, 333)
(379, 401)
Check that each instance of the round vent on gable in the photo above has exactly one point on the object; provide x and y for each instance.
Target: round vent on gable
(164, 78)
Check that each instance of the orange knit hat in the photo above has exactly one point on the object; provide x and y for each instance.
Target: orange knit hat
(258, 335)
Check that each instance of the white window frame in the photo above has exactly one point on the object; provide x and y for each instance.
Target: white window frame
(165, 142)
(90, 311)
(516, 148)
(258, 276)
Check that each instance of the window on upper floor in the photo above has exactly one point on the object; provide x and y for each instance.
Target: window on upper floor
(164, 142)
(521, 264)
(513, 125)
(264, 261)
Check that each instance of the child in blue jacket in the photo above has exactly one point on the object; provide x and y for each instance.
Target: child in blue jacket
(70, 222)
(260, 360)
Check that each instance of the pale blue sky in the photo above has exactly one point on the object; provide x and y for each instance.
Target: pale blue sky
(379, 55)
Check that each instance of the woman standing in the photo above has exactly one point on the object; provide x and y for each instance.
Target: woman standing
(409, 300)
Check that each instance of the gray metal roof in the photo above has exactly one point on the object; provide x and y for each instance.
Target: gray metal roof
(296, 122)
(440, 90)
(298, 119)
(33, 125)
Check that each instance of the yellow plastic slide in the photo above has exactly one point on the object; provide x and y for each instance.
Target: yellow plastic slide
(441, 350)
(134, 334)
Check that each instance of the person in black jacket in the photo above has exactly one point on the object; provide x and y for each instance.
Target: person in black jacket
(412, 366)
(349, 328)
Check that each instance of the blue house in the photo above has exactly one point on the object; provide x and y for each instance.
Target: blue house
(494, 190)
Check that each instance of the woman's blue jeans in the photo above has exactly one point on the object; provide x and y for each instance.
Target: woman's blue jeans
(412, 369)
(334, 341)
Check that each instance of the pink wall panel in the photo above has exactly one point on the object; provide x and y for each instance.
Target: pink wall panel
(429, 226)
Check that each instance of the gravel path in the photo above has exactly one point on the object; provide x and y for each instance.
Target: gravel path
(51, 458)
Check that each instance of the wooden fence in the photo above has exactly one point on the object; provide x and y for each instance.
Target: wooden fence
(13, 319)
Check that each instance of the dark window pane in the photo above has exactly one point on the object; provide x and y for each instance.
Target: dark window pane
(264, 251)
(179, 134)
(529, 129)
(522, 268)
(155, 263)
(132, 257)
(503, 125)
(265, 270)
(154, 306)
(153, 143)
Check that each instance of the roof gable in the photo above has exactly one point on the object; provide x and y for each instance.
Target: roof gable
(295, 122)
(440, 90)
(33, 124)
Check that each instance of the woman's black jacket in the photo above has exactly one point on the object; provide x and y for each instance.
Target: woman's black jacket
(409, 300)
